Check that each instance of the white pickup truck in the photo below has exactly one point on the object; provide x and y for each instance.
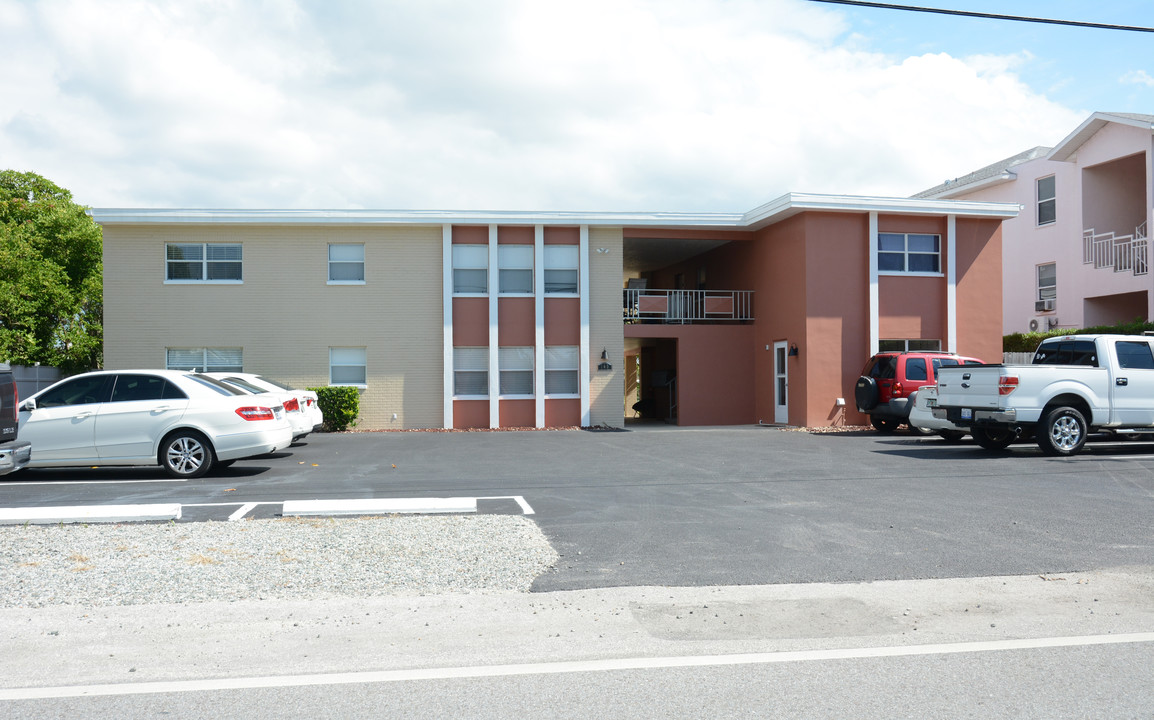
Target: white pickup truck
(1076, 385)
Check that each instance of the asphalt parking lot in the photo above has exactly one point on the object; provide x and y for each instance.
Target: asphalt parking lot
(701, 506)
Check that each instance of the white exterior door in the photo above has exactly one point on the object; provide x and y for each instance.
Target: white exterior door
(780, 383)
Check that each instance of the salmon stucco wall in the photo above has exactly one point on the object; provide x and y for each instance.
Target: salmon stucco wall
(979, 289)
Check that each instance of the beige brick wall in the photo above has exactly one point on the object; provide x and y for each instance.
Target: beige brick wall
(284, 315)
(606, 330)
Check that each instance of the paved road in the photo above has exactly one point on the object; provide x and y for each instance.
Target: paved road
(724, 506)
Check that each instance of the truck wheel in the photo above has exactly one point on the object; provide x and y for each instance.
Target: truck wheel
(1062, 431)
(884, 425)
(994, 439)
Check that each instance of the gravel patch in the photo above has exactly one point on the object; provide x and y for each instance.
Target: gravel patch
(279, 559)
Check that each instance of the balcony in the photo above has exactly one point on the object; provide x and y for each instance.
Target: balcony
(1121, 253)
(681, 307)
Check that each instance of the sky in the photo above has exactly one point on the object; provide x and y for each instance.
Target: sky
(619, 105)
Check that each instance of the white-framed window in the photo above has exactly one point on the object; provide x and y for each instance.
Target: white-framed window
(346, 263)
(348, 366)
(919, 253)
(470, 269)
(1047, 284)
(204, 262)
(515, 269)
(561, 266)
(561, 365)
(205, 359)
(1047, 200)
(470, 372)
(909, 345)
(516, 368)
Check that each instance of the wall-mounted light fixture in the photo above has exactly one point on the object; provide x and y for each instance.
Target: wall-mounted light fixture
(793, 350)
(604, 355)
(602, 251)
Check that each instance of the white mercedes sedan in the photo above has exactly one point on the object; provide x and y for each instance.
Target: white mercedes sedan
(185, 422)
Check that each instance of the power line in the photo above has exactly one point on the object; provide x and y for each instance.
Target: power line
(989, 16)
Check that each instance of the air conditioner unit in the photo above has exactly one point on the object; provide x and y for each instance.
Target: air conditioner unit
(1044, 305)
(1042, 323)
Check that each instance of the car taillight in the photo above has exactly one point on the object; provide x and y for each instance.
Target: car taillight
(308, 402)
(291, 405)
(896, 389)
(256, 413)
(1007, 385)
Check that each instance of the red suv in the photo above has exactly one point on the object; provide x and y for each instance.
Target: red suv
(889, 384)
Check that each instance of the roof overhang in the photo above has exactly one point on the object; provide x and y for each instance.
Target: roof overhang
(1066, 149)
(774, 211)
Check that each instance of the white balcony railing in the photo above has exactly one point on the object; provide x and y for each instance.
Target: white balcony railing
(1120, 253)
(687, 306)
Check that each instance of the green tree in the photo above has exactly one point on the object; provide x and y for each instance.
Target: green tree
(51, 276)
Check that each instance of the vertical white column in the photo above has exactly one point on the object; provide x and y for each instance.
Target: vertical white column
(583, 371)
(873, 299)
(539, 328)
(494, 370)
(447, 320)
(952, 283)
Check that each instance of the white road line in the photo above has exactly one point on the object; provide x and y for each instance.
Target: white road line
(384, 676)
(244, 510)
(520, 500)
(88, 482)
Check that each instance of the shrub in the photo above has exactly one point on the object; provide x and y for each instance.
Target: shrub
(339, 405)
(1028, 342)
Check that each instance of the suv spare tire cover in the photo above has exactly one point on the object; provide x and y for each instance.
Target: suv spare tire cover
(866, 393)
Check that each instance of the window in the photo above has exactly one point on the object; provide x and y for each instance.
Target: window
(1067, 352)
(1134, 355)
(516, 367)
(471, 269)
(909, 345)
(346, 263)
(561, 264)
(347, 366)
(909, 253)
(515, 269)
(203, 262)
(130, 387)
(205, 359)
(1047, 200)
(1047, 284)
(84, 390)
(916, 369)
(471, 371)
(561, 364)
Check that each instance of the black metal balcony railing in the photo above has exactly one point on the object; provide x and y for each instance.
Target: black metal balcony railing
(687, 306)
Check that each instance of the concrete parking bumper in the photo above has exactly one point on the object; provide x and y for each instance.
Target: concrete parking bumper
(89, 514)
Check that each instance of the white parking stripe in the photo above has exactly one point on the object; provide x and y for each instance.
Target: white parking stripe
(244, 510)
(520, 500)
(609, 665)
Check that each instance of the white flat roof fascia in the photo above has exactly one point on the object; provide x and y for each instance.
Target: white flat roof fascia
(773, 211)
(156, 216)
(793, 203)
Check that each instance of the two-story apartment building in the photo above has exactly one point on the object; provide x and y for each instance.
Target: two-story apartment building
(521, 319)
(1078, 254)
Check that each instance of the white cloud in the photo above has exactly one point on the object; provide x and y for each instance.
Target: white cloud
(517, 104)
(1138, 77)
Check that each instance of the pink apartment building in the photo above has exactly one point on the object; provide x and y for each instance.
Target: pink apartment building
(520, 319)
(1078, 254)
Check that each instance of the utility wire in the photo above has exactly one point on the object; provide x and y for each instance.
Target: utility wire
(988, 16)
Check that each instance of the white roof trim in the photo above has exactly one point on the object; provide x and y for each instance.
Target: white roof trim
(767, 214)
(1066, 149)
